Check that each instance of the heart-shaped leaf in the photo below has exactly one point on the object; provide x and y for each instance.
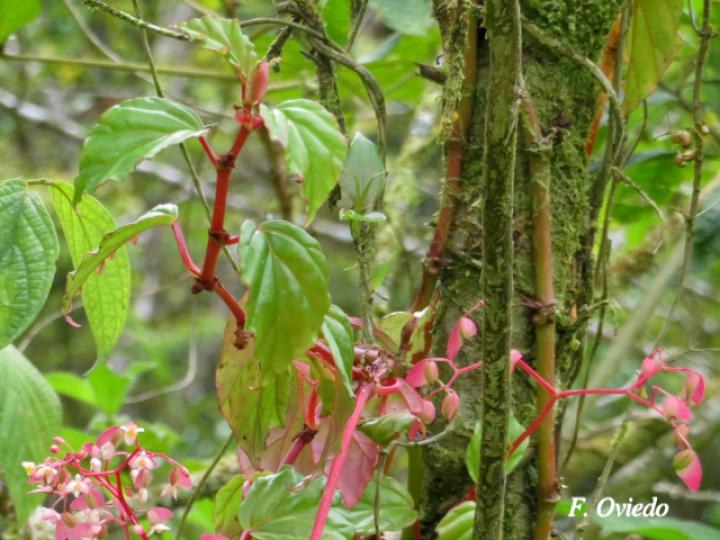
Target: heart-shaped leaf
(224, 36)
(652, 44)
(227, 504)
(106, 295)
(285, 270)
(396, 508)
(277, 509)
(127, 133)
(30, 417)
(164, 214)
(250, 405)
(28, 251)
(363, 177)
(315, 148)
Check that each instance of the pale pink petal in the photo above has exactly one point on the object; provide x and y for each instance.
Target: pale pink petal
(159, 514)
(674, 407)
(694, 387)
(422, 373)
(688, 467)
(214, 537)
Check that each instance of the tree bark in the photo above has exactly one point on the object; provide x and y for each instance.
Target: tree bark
(565, 97)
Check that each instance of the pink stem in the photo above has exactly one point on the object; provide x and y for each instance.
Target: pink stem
(209, 151)
(534, 426)
(184, 252)
(319, 526)
(535, 375)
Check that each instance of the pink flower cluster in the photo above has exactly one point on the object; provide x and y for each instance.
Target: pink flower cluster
(676, 409)
(89, 490)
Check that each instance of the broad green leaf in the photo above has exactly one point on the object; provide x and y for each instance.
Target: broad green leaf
(396, 508)
(28, 250)
(652, 44)
(30, 417)
(405, 17)
(109, 388)
(275, 509)
(164, 214)
(72, 386)
(339, 336)
(338, 19)
(383, 428)
(225, 37)
(389, 330)
(250, 405)
(314, 147)
(14, 15)
(472, 454)
(128, 133)
(457, 523)
(227, 505)
(106, 295)
(363, 177)
(665, 528)
(285, 270)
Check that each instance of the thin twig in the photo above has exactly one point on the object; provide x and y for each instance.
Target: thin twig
(698, 135)
(120, 14)
(201, 484)
(640, 191)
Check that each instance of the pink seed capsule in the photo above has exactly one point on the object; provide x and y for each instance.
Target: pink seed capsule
(258, 84)
(450, 405)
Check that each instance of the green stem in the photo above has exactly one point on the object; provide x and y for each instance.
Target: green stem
(136, 21)
(201, 484)
(503, 23)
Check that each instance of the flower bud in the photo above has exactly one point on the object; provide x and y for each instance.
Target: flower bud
(54, 449)
(694, 387)
(467, 327)
(682, 138)
(704, 130)
(139, 530)
(450, 404)
(427, 415)
(680, 160)
(257, 85)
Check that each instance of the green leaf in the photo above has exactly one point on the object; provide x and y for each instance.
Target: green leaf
(652, 44)
(250, 405)
(14, 15)
(285, 270)
(339, 336)
(370, 217)
(227, 505)
(130, 132)
(472, 453)
(665, 528)
(338, 20)
(383, 428)
(106, 295)
(224, 36)
(457, 523)
(363, 178)
(314, 146)
(30, 417)
(405, 17)
(109, 388)
(28, 250)
(272, 511)
(396, 507)
(164, 214)
(72, 386)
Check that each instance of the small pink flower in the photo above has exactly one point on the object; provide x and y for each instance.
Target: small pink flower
(424, 372)
(515, 357)
(687, 466)
(675, 408)
(78, 486)
(157, 517)
(694, 387)
(130, 432)
(450, 404)
(143, 461)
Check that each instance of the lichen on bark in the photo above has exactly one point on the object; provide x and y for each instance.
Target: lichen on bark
(565, 98)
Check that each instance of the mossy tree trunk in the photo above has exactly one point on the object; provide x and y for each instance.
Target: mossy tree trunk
(565, 96)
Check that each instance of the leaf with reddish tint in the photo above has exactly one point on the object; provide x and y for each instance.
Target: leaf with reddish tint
(359, 468)
(250, 404)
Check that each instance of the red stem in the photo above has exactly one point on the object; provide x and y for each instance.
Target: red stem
(184, 252)
(208, 151)
(363, 395)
